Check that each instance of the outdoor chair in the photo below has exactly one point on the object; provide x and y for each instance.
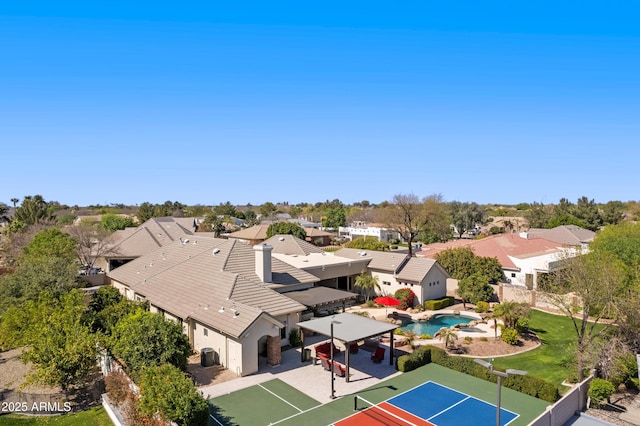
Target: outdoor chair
(339, 369)
(324, 361)
(378, 355)
(354, 348)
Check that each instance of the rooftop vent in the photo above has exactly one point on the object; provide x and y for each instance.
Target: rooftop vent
(216, 251)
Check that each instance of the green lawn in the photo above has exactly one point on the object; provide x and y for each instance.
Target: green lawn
(552, 361)
(95, 417)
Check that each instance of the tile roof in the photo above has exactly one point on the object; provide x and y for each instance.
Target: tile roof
(196, 276)
(155, 232)
(416, 269)
(288, 244)
(382, 260)
(571, 235)
(502, 247)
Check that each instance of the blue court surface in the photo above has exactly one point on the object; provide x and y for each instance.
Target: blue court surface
(441, 405)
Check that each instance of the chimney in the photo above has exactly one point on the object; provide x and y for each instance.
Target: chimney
(263, 262)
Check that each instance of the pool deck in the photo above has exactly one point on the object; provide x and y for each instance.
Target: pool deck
(479, 330)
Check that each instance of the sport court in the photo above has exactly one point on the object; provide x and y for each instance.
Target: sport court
(429, 404)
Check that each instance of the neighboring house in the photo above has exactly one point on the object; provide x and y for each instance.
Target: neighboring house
(223, 294)
(359, 229)
(395, 270)
(258, 233)
(131, 243)
(567, 235)
(523, 260)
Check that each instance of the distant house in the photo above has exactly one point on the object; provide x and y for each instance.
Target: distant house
(360, 229)
(523, 260)
(258, 233)
(567, 235)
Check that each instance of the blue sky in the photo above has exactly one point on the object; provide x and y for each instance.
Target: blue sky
(202, 102)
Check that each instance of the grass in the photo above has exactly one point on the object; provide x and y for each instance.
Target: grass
(553, 361)
(94, 416)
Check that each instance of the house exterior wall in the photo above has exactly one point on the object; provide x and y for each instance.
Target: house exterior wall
(206, 337)
(380, 233)
(434, 285)
(531, 266)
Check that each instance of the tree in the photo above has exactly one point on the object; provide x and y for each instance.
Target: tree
(34, 209)
(367, 243)
(3, 211)
(51, 243)
(367, 283)
(409, 217)
(93, 242)
(448, 336)
(466, 216)
(588, 289)
(458, 262)
(510, 312)
(112, 222)
(474, 288)
(335, 217)
(538, 215)
(587, 211)
(145, 212)
(489, 268)
(164, 390)
(144, 339)
(59, 343)
(437, 227)
(612, 212)
(286, 228)
(268, 209)
(214, 223)
(15, 202)
(226, 209)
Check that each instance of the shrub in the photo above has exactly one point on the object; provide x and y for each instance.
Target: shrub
(482, 306)
(417, 358)
(394, 241)
(437, 304)
(522, 324)
(394, 247)
(294, 338)
(526, 384)
(632, 383)
(398, 332)
(426, 336)
(165, 390)
(370, 304)
(510, 336)
(483, 339)
(600, 390)
(468, 339)
(362, 313)
(406, 296)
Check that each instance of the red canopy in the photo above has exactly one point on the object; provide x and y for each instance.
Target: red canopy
(387, 301)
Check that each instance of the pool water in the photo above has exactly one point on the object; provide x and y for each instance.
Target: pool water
(435, 323)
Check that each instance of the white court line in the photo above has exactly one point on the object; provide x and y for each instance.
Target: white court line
(280, 398)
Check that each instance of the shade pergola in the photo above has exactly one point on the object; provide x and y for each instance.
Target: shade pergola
(348, 328)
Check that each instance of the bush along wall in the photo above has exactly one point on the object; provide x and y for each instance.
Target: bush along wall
(437, 304)
(525, 384)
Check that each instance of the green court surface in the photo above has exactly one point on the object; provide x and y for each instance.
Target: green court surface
(258, 405)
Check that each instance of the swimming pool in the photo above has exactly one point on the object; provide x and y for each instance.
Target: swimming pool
(435, 323)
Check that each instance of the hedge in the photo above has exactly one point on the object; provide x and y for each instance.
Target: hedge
(437, 304)
(525, 384)
(419, 357)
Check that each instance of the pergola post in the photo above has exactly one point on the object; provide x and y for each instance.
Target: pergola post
(391, 348)
(302, 345)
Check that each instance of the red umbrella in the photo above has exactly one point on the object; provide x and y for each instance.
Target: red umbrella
(386, 301)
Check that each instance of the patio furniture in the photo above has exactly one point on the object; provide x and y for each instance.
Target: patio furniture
(378, 355)
(324, 348)
(339, 369)
(324, 361)
(354, 348)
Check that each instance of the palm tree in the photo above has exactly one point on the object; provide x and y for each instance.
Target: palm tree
(367, 283)
(14, 201)
(448, 336)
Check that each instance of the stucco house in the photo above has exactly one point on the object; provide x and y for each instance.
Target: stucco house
(396, 270)
(523, 257)
(222, 293)
(361, 229)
